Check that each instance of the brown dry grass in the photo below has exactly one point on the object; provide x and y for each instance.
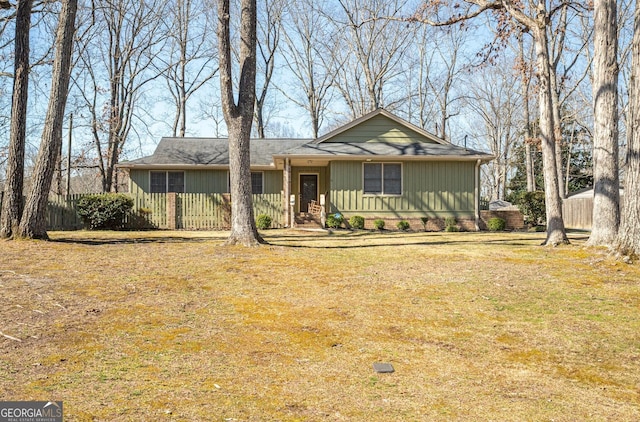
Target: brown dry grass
(174, 326)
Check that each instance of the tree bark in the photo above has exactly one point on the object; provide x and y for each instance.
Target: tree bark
(12, 203)
(628, 241)
(526, 84)
(557, 130)
(555, 224)
(34, 221)
(239, 118)
(606, 199)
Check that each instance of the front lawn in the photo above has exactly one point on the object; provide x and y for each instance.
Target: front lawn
(173, 326)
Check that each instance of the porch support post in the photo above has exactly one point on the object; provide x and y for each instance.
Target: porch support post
(286, 184)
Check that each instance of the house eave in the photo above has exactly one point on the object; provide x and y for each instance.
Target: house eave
(311, 159)
(160, 167)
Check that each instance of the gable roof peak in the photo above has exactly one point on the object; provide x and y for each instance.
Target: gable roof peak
(380, 111)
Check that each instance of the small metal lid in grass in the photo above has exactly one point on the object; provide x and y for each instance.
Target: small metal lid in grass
(383, 368)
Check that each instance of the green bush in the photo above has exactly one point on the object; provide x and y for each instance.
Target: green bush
(496, 224)
(451, 225)
(356, 222)
(403, 225)
(532, 206)
(334, 220)
(424, 220)
(105, 211)
(378, 224)
(263, 222)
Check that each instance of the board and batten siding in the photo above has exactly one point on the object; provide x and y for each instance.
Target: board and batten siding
(380, 129)
(431, 188)
(200, 206)
(205, 181)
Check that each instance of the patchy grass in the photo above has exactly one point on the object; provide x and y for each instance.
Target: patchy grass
(174, 326)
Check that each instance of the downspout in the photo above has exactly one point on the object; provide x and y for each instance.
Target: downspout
(477, 194)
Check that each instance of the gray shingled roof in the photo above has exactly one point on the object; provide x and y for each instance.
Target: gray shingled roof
(211, 152)
(386, 149)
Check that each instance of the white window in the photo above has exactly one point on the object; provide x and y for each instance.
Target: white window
(166, 181)
(382, 178)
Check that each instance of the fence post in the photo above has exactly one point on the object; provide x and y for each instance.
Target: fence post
(172, 208)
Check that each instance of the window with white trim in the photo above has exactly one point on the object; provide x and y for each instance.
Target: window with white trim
(382, 178)
(166, 181)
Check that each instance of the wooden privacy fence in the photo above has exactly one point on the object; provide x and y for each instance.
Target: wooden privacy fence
(190, 211)
(578, 213)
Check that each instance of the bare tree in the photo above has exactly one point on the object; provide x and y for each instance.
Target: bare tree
(523, 63)
(33, 223)
(448, 50)
(557, 36)
(239, 117)
(269, 30)
(12, 201)
(628, 241)
(190, 61)
(305, 37)
(122, 42)
(535, 17)
(493, 97)
(606, 200)
(372, 48)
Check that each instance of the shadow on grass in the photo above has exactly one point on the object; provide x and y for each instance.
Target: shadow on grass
(97, 241)
(337, 240)
(345, 240)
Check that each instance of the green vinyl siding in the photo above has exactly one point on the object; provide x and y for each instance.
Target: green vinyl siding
(201, 202)
(206, 181)
(272, 182)
(380, 129)
(432, 188)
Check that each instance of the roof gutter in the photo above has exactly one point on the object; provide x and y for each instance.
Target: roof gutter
(160, 167)
(331, 157)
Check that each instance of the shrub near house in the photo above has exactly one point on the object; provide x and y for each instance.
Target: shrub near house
(104, 211)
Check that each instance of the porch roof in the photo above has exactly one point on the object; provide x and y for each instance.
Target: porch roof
(394, 150)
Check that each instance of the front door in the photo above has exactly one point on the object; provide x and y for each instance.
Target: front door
(308, 190)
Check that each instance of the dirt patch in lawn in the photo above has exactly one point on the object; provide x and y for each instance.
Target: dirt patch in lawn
(175, 326)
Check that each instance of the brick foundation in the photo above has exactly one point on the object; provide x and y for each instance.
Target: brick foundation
(514, 219)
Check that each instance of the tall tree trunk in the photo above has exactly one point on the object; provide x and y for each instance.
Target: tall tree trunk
(555, 224)
(12, 203)
(526, 84)
(557, 130)
(33, 223)
(239, 118)
(529, 168)
(606, 199)
(628, 241)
